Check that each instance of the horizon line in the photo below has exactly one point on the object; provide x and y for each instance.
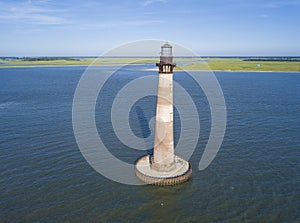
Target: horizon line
(204, 56)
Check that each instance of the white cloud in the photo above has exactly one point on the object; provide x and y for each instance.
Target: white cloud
(150, 2)
(263, 16)
(30, 13)
(118, 24)
(280, 3)
(267, 4)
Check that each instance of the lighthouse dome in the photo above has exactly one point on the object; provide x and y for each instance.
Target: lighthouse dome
(166, 45)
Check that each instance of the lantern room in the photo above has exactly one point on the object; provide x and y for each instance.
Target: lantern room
(166, 64)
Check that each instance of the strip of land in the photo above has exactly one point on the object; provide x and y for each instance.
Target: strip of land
(195, 63)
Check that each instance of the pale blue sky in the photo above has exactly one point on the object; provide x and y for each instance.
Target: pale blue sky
(91, 27)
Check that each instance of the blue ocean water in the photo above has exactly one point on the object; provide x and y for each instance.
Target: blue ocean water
(44, 177)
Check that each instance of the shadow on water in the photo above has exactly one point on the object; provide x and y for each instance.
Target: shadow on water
(144, 126)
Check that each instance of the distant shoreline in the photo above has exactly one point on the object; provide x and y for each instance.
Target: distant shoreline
(146, 70)
(253, 71)
(186, 64)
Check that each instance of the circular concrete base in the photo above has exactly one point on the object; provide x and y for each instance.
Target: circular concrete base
(146, 173)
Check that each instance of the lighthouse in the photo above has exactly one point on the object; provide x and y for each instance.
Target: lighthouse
(164, 167)
(163, 155)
